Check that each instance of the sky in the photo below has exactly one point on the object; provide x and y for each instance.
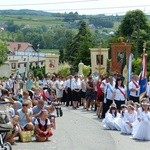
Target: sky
(88, 7)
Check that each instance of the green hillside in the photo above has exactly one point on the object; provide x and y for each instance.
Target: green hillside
(54, 30)
(38, 18)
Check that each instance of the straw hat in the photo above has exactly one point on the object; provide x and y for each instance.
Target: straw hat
(113, 105)
(124, 106)
(131, 106)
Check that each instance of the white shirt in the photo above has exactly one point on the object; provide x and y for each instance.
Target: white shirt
(76, 84)
(130, 118)
(54, 84)
(148, 90)
(59, 85)
(45, 82)
(42, 122)
(83, 85)
(69, 83)
(119, 95)
(11, 112)
(109, 90)
(11, 83)
(50, 83)
(103, 85)
(132, 86)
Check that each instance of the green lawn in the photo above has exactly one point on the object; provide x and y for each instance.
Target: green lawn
(55, 51)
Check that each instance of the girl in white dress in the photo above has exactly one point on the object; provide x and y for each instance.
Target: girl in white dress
(130, 117)
(119, 121)
(110, 117)
(142, 132)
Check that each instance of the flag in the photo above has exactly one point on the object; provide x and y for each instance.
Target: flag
(124, 73)
(143, 78)
(124, 68)
(123, 62)
(129, 74)
(27, 68)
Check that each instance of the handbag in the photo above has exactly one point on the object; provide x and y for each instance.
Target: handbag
(26, 136)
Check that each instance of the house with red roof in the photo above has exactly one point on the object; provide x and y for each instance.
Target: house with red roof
(20, 47)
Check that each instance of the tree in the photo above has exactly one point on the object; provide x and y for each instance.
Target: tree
(3, 52)
(132, 21)
(61, 53)
(135, 28)
(19, 36)
(11, 26)
(79, 48)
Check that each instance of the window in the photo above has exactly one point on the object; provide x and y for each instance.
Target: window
(24, 64)
(18, 65)
(13, 65)
(99, 59)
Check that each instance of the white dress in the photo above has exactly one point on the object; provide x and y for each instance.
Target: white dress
(118, 122)
(128, 118)
(59, 89)
(136, 123)
(108, 121)
(142, 132)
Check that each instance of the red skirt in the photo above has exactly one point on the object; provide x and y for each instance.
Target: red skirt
(49, 134)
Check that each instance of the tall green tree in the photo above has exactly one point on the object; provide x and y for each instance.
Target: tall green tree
(3, 52)
(135, 28)
(132, 21)
(79, 48)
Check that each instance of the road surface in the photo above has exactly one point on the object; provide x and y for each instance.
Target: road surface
(82, 130)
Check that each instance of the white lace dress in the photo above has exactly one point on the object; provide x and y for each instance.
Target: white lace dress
(142, 131)
(108, 122)
(129, 118)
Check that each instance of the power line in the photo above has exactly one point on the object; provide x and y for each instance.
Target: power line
(94, 8)
(64, 2)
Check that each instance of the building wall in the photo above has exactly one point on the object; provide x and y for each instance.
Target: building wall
(95, 64)
(20, 63)
(5, 70)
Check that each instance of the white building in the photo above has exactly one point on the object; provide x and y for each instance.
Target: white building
(20, 53)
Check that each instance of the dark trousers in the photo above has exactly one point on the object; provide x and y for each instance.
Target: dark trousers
(106, 107)
(69, 97)
(119, 103)
(108, 103)
(134, 99)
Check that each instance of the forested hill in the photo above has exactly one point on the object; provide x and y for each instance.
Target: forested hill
(33, 17)
(54, 30)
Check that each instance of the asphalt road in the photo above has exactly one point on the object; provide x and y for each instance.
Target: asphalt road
(81, 130)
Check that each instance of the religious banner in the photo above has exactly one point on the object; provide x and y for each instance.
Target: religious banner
(51, 63)
(119, 56)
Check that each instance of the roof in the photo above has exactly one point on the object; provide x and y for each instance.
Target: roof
(98, 49)
(18, 46)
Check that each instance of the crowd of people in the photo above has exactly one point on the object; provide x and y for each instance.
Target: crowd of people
(36, 103)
